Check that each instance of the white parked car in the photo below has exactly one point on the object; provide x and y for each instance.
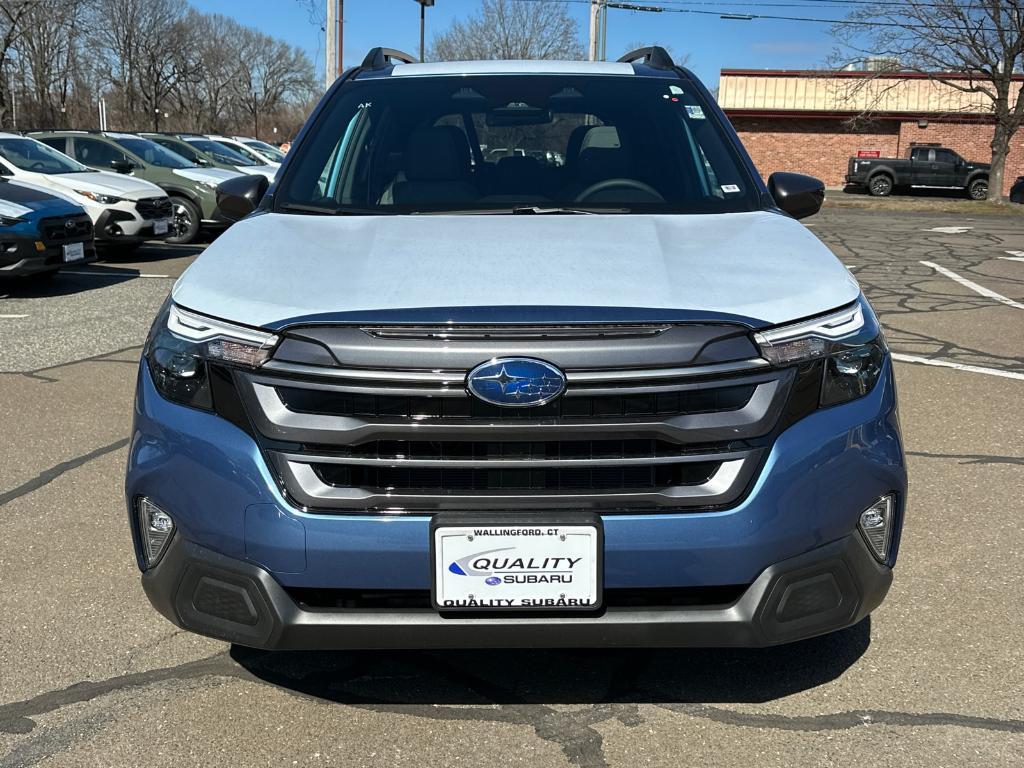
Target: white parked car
(246, 151)
(125, 211)
(224, 153)
(269, 151)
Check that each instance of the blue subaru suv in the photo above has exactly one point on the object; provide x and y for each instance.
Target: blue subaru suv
(40, 232)
(516, 354)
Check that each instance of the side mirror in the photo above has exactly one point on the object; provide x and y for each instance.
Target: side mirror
(238, 197)
(122, 166)
(202, 162)
(796, 194)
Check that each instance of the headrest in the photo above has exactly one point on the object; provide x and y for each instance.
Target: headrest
(600, 163)
(437, 153)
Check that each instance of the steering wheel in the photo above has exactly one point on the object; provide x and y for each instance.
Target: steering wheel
(601, 186)
(38, 165)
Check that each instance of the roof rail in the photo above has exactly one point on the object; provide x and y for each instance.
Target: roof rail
(381, 58)
(651, 55)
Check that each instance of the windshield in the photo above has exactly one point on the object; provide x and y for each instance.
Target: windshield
(220, 152)
(153, 154)
(31, 155)
(270, 151)
(499, 143)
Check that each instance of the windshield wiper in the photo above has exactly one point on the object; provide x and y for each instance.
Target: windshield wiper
(519, 210)
(536, 210)
(325, 211)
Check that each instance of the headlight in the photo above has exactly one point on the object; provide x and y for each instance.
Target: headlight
(10, 221)
(850, 342)
(209, 184)
(97, 197)
(181, 344)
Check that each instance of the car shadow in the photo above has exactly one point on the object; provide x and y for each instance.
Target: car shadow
(545, 676)
(922, 192)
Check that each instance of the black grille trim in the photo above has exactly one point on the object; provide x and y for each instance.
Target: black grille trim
(690, 401)
(320, 599)
(445, 480)
(55, 231)
(154, 207)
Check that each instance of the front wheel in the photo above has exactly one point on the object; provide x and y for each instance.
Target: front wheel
(978, 189)
(880, 185)
(185, 223)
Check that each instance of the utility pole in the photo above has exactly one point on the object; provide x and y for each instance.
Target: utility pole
(598, 29)
(334, 42)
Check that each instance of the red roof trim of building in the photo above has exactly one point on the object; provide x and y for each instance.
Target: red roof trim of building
(938, 117)
(825, 73)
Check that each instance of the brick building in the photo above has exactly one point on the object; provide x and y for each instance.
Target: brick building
(804, 121)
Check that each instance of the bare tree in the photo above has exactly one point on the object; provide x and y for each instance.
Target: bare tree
(12, 14)
(982, 41)
(505, 29)
(273, 70)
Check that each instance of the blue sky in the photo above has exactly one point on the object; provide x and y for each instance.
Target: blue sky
(712, 43)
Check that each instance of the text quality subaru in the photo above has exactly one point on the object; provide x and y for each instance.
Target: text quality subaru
(600, 392)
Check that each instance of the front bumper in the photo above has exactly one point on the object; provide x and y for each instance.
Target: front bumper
(826, 589)
(801, 511)
(20, 258)
(120, 226)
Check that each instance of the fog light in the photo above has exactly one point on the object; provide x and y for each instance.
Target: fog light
(155, 530)
(876, 526)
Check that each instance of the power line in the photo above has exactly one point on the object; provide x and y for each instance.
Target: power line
(723, 14)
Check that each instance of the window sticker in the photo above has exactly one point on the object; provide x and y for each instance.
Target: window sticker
(730, 188)
(695, 112)
(675, 90)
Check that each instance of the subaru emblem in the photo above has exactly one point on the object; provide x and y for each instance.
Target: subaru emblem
(516, 382)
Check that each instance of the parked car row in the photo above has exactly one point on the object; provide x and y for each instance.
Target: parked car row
(128, 188)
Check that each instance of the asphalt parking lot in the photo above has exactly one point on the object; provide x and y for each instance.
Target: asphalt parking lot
(91, 675)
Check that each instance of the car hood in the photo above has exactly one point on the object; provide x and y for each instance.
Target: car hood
(103, 183)
(214, 175)
(259, 170)
(275, 270)
(22, 199)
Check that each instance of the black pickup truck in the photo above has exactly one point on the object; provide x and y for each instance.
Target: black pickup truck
(926, 167)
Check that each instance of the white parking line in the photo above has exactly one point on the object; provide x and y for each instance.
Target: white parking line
(1014, 256)
(899, 356)
(974, 286)
(87, 273)
(949, 230)
(12, 317)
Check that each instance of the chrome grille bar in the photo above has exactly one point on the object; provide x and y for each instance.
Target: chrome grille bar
(308, 490)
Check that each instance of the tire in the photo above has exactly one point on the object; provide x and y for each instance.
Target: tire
(185, 222)
(880, 185)
(978, 189)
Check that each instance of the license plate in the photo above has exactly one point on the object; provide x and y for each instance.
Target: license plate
(74, 252)
(542, 566)
(160, 227)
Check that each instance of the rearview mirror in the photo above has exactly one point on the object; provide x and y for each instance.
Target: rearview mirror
(238, 197)
(122, 166)
(516, 114)
(796, 194)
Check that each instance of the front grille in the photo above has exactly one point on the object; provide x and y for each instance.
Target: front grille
(707, 400)
(154, 207)
(688, 433)
(66, 229)
(437, 480)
